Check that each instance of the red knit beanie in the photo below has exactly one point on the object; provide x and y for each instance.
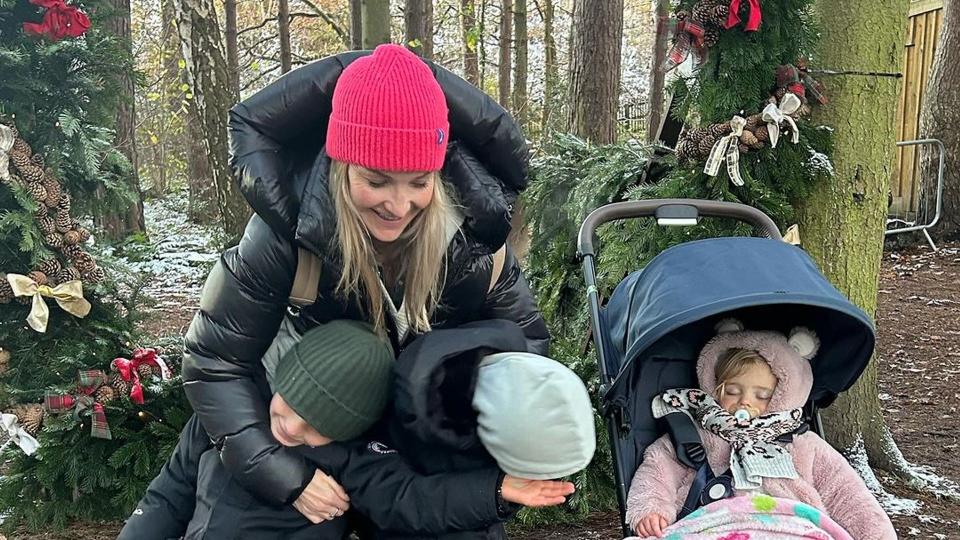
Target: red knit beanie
(389, 113)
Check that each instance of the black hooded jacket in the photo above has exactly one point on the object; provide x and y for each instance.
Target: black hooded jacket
(277, 139)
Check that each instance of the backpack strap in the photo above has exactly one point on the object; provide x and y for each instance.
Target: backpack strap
(306, 280)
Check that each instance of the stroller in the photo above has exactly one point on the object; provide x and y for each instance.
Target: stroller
(649, 334)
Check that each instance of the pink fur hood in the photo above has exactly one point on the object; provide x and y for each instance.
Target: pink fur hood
(826, 481)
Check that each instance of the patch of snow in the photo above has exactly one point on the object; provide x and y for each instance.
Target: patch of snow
(893, 505)
(923, 476)
(821, 162)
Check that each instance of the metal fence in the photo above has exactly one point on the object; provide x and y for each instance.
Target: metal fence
(929, 192)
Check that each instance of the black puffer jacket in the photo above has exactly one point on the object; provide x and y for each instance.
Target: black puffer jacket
(276, 145)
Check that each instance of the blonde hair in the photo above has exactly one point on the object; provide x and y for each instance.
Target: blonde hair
(733, 363)
(421, 268)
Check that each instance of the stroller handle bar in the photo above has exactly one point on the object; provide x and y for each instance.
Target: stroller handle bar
(684, 211)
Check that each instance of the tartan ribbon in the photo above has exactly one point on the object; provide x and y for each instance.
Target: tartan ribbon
(798, 81)
(775, 115)
(727, 150)
(687, 36)
(7, 139)
(69, 297)
(128, 370)
(83, 403)
(753, 19)
(19, 436)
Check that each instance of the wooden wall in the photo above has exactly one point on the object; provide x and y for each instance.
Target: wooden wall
(926, 17)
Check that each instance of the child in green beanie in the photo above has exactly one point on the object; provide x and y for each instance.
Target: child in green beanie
(331, 387)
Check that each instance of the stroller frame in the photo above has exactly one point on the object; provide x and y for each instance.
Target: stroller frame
(668, 212)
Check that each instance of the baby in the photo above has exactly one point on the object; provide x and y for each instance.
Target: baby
(753, 385)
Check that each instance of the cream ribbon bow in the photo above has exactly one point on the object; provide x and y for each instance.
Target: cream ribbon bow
(6, 143)
(68, 295)
(18, 435)
(727, 149)
(774, 116)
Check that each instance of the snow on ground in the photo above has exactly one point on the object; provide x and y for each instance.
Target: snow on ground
(893, 505)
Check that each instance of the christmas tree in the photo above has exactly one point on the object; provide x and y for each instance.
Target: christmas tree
(83, 442)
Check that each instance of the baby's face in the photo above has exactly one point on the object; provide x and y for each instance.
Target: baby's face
(289, 428)
(750, 390)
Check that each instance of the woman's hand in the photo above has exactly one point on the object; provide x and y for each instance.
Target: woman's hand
(652, 525)
(323, 499)
(535, 492)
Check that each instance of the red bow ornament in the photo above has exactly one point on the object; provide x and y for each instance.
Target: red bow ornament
(753, 19)
(83, 403)
(688, 36)
(60, 21)
(128, 370)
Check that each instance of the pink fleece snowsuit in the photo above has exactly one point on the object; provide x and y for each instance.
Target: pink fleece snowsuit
(825, 480)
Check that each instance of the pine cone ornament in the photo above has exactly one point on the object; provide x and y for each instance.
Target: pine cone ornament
(145, 371)
(19, 160)
(703, 11)
(743, 148)
(38, 277)
(32, 173)
(63, 222)
(37, 192)
(120, 386)
(706, 145)
(84, 263)
(720, 14)
(64, 204)
(32, 419)
(41, 212)
(72, 252)
(720, 130)
(50, 267)
(21, 147)
(762, 134)
(6, 291)
(54, 240)
(4, 361)
(711, 35)
(748, 138)
(682, 15)
(779, 93)
(753, 122)
(47, 226)
(37, 159)
(84, 234)
(68, 274)
(53, 191)
(94, 276)
(682, 150)
(105, 394)
(71, 238)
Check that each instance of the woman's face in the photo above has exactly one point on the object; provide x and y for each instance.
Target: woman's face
(750, 390)
(389, 201)
(289, 429)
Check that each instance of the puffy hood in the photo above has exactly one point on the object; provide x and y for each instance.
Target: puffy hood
(788, 359)
(277, 138)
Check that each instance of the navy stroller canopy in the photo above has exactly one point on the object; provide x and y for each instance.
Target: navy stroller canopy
(669, 309)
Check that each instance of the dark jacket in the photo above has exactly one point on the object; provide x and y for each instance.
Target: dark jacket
(276, 146)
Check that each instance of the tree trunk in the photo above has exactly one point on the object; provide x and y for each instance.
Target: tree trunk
(468, 24)
(283, 26)
(206, 71)
(230, 36)
(595, 70)
(843, 220)
(551, 70)
(506, 36)
(376, 22)
(118, 223)
(939, 120)
(418, 27)
(657, 74)
(356, 24)
(521, 109)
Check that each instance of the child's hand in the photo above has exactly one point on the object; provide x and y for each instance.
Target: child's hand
(652, 525)
(322, 499)
(535, 492)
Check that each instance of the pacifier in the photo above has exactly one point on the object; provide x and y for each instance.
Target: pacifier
(742, 415)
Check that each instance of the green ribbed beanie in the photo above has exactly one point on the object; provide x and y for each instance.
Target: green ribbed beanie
(337, 378)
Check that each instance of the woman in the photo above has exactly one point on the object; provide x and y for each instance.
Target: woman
(341, 161)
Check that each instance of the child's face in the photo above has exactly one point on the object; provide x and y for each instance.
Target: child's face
(750, 390)
(289, 429)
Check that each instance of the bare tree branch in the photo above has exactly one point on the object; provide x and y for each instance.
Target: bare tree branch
(273, 19)
(341, 32)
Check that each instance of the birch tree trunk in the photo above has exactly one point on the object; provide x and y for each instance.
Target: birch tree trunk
(595, 70)
(210, 98)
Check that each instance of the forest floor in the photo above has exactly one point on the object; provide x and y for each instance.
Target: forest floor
(918, 322)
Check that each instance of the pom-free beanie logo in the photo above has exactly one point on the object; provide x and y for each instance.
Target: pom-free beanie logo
(440, 136)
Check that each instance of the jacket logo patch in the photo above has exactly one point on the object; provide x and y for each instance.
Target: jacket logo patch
(380, 448)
